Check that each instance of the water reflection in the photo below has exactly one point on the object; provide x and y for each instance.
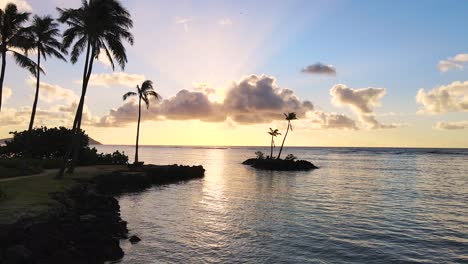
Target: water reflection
(362, 206)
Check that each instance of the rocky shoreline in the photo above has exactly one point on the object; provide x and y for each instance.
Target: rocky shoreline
(85, 226)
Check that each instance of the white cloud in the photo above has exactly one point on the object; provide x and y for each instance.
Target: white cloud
(361, 102)
(22, 5)
(52, 93)
(225, 22)
(116, 79)
(252, 100)
(448, 98)
(104, 59)
(322, 120)
(185, 22)
(457, 62)
(459, 125)
(7, 92)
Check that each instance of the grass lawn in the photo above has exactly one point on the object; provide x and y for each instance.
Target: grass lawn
(29, 195)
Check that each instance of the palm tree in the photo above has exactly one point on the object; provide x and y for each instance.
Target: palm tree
(96, 25)
(273, 133)
(13, 38)
(289, 117)
(43, 35)
(144, 93)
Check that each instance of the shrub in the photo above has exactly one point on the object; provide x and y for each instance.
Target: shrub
(47, 146)
(260, 155)
(41, 143)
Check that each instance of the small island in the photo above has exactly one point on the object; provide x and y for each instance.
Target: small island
(290, 163)
(280, 164)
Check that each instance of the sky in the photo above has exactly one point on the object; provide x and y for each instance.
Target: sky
(357, 73)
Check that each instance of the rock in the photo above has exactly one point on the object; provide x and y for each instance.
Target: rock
(87, 218)
(280, 165)
(134, 239)
(18, 254)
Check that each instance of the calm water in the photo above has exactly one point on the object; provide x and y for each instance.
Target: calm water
(361, 206)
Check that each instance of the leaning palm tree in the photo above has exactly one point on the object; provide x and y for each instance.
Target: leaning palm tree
(43, 35)
(144, 94)
(12, 39)
(289, 117)
(96, 25)
(273, 133)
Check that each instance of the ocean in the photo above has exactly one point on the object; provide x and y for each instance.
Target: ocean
(363, 205)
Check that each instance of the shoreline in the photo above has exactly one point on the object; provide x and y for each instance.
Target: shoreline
(85, 225)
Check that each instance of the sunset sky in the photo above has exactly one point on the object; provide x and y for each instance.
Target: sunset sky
(358, 73)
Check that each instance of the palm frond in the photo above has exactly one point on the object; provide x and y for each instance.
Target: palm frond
(129, 94)
(146, 100)
(26, 62)
(146, 86)
(153, 94)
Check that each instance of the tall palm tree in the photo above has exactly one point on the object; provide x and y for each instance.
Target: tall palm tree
(13, 37)
(288, 117)
(96, 25)
(144, 94)
(273, 134)
(43, 35)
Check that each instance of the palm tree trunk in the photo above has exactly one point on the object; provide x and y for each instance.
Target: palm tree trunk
(138, 129)
(284, 139)
(2, 76)
(75, 121)
(77, 135)
(33, 114)
(271, 148)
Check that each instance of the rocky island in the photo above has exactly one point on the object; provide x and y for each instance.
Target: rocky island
(280, 164)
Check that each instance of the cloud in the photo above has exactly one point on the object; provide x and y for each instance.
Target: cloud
(7, 92)
(457, 62)
(319, 68)
(452, 125)
(252, 100)
(21, 4)
(51, 93)
(185, 22)
(322, 120)
(116, 79)
(448, 98)
(225, 22)
(258, 99)
(104, 59)
(361, 102)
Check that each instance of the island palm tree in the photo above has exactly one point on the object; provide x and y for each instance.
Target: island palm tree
(13, 38)
(273, 134)
(96, 25)
(288, 117)
(43, 35)
(144, 94)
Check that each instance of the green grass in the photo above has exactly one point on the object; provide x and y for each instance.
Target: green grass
(29, 196)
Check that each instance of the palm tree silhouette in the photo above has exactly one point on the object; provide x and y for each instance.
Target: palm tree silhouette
(289, 117)
(144, 93)
(43, 35)
(273, 133)
(13, 37)
(96, 25)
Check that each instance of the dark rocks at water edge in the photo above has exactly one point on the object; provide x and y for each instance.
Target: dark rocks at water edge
(134, 239)
(280, 164)
(143, 177)
(84, 226)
